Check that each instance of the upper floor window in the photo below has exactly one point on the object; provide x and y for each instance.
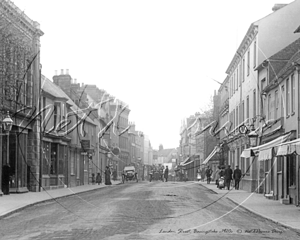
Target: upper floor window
(243, 70)
(287, 99)
(269, 107)
(248, 62)
(247, 113)
(276, 104)
(254, 102)
(293, 92)
(254, 54)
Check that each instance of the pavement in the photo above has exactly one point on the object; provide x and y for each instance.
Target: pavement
(18, 201)
(285, 215)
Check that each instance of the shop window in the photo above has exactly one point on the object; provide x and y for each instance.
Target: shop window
(279, 163)
(53, 167)
(291, 161)
(46, 158)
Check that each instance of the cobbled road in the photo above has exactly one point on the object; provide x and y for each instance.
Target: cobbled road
(144, 210)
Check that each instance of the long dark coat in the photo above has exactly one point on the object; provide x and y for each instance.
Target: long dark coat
(166, 173)
(237, 174)
(107, 177)
(228, 174)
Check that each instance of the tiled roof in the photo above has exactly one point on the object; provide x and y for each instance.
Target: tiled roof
(57, 92)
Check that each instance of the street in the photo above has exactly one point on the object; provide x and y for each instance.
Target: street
(144, 210)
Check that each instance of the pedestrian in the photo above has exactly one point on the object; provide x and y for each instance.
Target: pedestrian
(93, 178)
(107, 176)
(166, 173)
(228, 176)
(6, 178)
(217, 175)
(202, 174)
(98, 178)
(237, 174)
(208, 173)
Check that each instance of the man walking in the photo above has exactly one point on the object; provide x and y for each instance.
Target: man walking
(228, 176)
(166, 173)
(237, 174)
(208, 174)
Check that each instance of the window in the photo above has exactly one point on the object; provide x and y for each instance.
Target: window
(293, 92)
(238, 157)
(243, 111)
(232, 79)
(237, 116)
(282, 101)
(237, 77)
(269, 107)
(46, 158)
(254, 54)
(53, 166)
(291, 166)
(243, 70)
(248, 62)
(276, 105)
(287, 97)
(254, 102)
(247, 114)
(279, 163)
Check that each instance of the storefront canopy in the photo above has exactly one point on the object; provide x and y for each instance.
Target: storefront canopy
(186, 161)
(264, 151)
(292, 147)
(214, 151)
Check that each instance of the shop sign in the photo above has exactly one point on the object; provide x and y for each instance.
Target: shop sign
(85, 144)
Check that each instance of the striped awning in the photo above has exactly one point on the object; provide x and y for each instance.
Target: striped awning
(288, 148)
(213, 152)
(264, 151)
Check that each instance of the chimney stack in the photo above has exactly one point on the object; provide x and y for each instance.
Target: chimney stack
(62, 72)
(278, 6)
(67, 71)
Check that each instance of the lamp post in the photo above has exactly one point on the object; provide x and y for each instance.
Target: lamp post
(6, 125)
(253, 136)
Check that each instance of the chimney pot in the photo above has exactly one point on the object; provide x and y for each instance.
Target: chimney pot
(62, 72)
(67, 71)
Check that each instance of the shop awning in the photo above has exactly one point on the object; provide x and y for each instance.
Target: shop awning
(265, 151)
(185, 162)
(214, 151)
(287, 148)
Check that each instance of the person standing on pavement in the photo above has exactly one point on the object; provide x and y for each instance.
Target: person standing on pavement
(6, 174)
(237, 174)
(208, 173)
(166, 173)
(107, 176)
(228, 176)
(98, 179)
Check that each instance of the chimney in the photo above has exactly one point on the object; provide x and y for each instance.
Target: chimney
(67, 71)
(278, 6)
(62, 72)
(75, 81)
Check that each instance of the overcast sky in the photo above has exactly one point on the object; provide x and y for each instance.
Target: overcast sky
(158, 56)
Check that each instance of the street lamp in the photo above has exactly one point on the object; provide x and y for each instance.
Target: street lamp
(253, 136)
(6, 125)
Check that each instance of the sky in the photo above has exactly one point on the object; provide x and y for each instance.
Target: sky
(158, 56)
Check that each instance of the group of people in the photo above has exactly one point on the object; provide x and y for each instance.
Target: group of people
(107, 173)
(227, 173)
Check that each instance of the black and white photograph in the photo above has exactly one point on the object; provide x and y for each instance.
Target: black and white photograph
(149, 119)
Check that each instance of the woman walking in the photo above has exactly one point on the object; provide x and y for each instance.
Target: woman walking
(107, 176)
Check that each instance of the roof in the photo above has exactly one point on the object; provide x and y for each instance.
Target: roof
(57, 92)
(165, 152)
